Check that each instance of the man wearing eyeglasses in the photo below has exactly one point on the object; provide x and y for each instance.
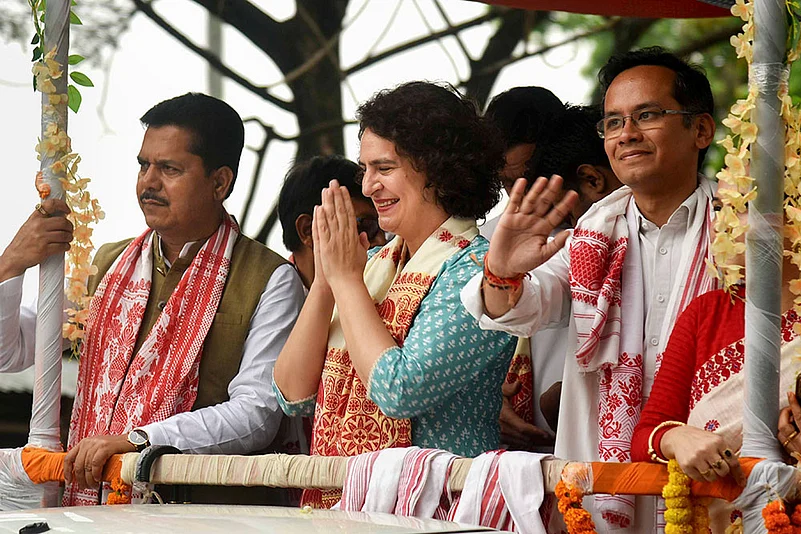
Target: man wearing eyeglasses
(302, 191)
(634, 261)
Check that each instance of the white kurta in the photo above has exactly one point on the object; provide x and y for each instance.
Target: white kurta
(545, 302)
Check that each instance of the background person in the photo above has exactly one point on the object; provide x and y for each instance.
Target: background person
(402, 362)
(576, 153)
(302, 190)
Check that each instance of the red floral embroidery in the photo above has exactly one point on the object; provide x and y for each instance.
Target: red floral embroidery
(712, 425)
(596, 267)
(445, 236)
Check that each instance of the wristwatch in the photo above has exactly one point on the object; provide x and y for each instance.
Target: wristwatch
(139, 439)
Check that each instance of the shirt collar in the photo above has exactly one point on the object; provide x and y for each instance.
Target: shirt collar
(682, 216)
(158, 252)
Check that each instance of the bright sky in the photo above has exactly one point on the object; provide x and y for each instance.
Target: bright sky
(150, 66)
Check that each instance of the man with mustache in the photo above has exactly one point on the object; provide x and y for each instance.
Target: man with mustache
(186, 320)
(634, 261)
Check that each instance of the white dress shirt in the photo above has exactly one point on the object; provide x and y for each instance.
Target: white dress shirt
(247, 422)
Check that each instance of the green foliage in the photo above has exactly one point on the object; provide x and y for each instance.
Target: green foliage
(793, 23)
(38, 14)
(75, 98)
(81, 79)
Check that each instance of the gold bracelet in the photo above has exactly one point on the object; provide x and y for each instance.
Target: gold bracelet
(651, 451)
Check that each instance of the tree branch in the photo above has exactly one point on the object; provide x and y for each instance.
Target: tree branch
(212, 58)
(710, 39)
(423, 40)
(497, 66)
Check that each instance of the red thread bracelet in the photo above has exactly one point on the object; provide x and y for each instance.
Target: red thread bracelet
(496, 282)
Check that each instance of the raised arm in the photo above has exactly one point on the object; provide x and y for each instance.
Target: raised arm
(521, 240)
(46, 232)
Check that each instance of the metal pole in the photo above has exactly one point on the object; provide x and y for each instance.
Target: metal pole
(764, 241)
(45, 417)
(215, 34)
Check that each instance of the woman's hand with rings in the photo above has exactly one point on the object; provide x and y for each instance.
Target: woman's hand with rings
(788, 429)
(702, 455)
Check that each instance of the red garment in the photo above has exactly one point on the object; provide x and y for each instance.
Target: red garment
(710, 323)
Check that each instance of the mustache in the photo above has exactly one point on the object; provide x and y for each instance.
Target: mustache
(150, 195)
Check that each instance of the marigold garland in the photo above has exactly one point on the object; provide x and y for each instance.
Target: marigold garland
(577, 519)
(85, 210)
(120, 492)
(683, 515)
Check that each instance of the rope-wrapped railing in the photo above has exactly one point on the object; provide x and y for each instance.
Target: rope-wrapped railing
(328, 472)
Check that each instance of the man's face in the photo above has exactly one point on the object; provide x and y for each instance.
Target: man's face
(659, 159)
(179, 200)
(516, 159)
(367, 221)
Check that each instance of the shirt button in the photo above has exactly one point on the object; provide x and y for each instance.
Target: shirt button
(662, 251)
(161, 305)
(660, 298)
(654, 341)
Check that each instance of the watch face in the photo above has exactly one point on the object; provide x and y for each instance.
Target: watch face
(137, 437)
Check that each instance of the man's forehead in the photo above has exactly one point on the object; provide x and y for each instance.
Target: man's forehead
(162, 140)
(639, 87)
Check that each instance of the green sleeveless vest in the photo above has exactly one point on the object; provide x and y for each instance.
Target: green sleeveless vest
(252, 264)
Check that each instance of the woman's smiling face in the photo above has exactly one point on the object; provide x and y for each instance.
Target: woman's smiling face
(405, 206)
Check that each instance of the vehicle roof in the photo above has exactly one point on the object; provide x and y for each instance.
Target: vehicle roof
(206, 519)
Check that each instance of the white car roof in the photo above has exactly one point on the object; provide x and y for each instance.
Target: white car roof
(205, 519)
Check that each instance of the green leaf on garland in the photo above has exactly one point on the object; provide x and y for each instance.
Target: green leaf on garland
(74, 59)
(74, 98)
(81, 79)
(34, 84)
(42, 5)
(37, 53)
(74, 19)
(35, 39)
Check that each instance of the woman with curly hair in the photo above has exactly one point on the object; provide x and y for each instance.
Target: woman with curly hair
(383, 354)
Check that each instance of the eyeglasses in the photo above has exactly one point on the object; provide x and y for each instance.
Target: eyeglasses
(645, 119)
(368, 225)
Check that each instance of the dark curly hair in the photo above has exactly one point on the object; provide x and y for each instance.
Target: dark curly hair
(440, 131)
(690, 87)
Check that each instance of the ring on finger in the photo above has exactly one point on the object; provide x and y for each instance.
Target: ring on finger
(717, 464)
(41, 210)
(705, 473)
(793, 434)
(727, 453)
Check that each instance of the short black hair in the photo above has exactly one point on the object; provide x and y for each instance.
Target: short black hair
(691, 87)
(445, 138)
(575, 143)
(303, 187)
(524, 114)
(218, 134)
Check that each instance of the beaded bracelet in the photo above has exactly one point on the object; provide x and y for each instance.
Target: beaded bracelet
(651, 451)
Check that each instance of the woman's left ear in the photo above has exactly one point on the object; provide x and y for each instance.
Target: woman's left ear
(223, 178)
